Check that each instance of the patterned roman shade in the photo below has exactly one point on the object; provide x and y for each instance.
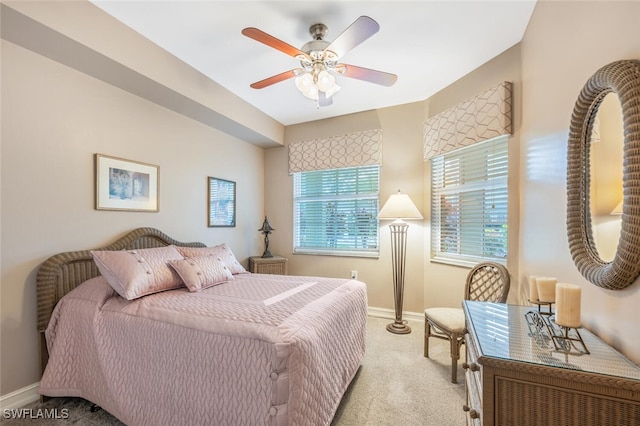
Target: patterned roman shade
(350, 150)
(483, 117)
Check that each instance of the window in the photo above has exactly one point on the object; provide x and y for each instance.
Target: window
(469, 203)
(335, 211)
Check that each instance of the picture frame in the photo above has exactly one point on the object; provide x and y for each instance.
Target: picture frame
(221, 202)
(126, 185)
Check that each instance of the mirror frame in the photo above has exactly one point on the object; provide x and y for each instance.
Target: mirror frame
(623, 78)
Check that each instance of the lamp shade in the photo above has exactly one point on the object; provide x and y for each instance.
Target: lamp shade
(399, 206)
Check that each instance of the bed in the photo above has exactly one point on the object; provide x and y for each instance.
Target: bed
(253, 350)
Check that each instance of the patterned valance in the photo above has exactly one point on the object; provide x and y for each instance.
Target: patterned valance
(483, 117)
(350, 150)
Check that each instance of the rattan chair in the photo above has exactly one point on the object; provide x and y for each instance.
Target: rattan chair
(486, 282)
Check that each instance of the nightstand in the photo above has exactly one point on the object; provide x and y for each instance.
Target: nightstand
(268, 265)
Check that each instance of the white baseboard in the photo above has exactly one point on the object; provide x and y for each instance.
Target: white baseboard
(390, 314)
(20, 398)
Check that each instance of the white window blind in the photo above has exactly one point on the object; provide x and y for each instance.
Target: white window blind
(469, 203)
(335, 211)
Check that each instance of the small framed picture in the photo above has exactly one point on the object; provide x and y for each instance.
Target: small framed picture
(126, 185)
(222, 202)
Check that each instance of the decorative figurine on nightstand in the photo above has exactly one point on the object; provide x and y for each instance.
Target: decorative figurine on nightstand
(266, 230)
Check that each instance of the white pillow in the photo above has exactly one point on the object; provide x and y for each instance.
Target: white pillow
(222, 251)
(136, 273)
(201, 272)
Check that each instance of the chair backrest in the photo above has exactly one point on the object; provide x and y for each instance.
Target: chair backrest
(488, 282)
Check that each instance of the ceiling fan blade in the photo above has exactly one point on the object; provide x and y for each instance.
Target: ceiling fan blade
(360, 30)
(366, 74)
(271, 41)
(276, 78)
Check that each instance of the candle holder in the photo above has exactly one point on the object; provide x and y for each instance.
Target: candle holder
(541, 304)
(547, 333)
(568, 339)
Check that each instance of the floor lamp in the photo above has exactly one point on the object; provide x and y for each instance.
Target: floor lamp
(397, 208)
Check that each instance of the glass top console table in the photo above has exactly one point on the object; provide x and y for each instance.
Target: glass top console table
(518, 374)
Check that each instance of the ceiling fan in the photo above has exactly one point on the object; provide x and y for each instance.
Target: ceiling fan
(319, 60)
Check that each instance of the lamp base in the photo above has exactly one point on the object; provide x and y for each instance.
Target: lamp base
(399, 328)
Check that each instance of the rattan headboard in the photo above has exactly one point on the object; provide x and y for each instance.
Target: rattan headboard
(63, 272)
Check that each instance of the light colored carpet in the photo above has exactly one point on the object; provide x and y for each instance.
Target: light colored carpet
(395, 385)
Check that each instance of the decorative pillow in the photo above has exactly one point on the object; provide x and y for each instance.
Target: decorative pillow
(222, 251)
(136, 273)
(201, 272)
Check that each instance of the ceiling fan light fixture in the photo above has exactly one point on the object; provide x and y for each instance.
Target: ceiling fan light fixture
(306, 86)
(303, 81)
(310, 86)
(332, 91)
(312, 92)
(326, 81)
(319, 56)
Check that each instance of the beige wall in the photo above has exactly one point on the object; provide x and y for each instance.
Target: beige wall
(426, 284)
(84, 37)
(565, 43)
(444, 284)
(560, 50)
(53, 120)
(401, 169)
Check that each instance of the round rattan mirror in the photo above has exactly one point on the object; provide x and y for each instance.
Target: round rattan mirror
(622, 78)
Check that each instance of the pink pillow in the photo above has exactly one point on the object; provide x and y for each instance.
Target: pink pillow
(136, 273)
(201, 272)
(222, 251)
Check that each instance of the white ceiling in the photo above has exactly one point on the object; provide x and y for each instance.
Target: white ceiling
(428, 44)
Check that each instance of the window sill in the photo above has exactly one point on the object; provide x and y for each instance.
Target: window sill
(465, 263)
(368, 255)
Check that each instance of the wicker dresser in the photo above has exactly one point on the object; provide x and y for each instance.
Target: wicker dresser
(515, 377)
(268, 265)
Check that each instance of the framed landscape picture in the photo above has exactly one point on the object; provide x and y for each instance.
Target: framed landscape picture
(222, 202)
(126, 185)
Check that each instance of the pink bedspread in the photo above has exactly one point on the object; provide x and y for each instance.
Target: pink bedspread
(258, 350)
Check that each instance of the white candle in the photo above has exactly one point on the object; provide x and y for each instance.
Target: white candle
(533, 289)
(568, 305)
(546, 289)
